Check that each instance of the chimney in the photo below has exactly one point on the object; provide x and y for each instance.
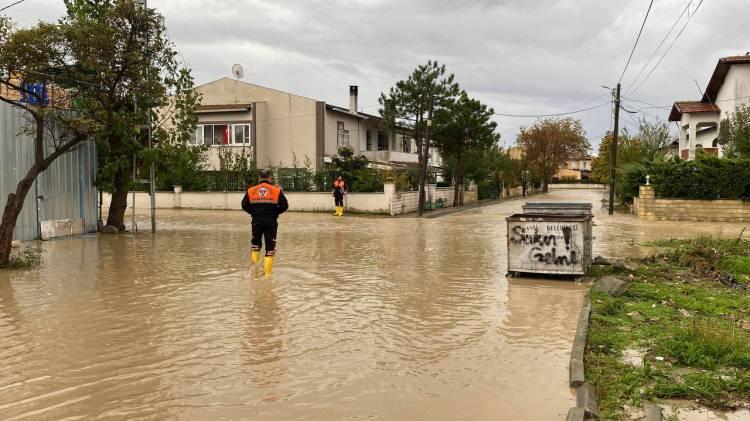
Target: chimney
(353, 97)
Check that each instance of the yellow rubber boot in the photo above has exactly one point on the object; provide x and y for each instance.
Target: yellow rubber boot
(255, 256)
(341, 211)
(337, 211)
(268, 265)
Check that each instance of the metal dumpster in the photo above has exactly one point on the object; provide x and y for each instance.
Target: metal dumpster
(553, 238)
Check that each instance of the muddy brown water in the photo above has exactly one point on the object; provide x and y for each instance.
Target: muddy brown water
(364, 318)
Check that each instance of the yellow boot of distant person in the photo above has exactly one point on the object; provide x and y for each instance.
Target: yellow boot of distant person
(337, 211)
(255, 256)
(268, 265)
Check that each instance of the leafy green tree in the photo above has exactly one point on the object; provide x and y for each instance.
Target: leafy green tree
(549, 143)
(123, 50)
(735, 132)
(180, 164)
(27, 56)
(406, 109)
(463, 124)
(654, 137)
(629, 151)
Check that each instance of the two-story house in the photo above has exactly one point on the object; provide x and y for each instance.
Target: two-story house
(576, 169)
(699, 121)
(278, 127)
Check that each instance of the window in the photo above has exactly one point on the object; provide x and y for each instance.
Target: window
(241, 134)
(382, 141)
(369, 140)
(222, 134)
(342, 135)
(405, 144)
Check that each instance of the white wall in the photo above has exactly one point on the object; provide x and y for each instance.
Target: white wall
(736, 89)
(576, 186)
(388, 202)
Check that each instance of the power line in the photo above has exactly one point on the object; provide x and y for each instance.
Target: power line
(645, 66)
(646, 103)
(589, 101)
(669, 107)
(552, 115)
(690, 18)
(643, 25)
(11, 5)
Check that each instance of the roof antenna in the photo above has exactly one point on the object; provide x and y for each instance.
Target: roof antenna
(700, 91)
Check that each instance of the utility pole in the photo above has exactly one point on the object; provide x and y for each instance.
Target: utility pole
(613, 158)
(152, 170)
(426, 156)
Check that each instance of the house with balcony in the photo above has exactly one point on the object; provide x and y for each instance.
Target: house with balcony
(700, 121)
(276, 127)
(576, 169)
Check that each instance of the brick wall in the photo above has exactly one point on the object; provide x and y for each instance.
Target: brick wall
(648, 206)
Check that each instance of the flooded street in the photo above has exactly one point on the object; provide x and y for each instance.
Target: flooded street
(364, 318)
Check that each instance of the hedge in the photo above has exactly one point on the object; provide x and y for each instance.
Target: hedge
(708, 177)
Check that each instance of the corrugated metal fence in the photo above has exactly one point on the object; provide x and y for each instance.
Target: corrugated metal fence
(67, 187)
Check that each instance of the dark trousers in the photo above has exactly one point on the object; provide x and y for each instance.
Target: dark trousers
(265, 229)
(338, 196)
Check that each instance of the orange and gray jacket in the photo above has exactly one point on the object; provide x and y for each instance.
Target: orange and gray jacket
(265, 201)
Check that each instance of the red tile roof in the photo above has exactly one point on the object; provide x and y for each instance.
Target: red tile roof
(720, 73)
(681, 107)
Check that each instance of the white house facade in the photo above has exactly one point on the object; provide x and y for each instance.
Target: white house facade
(700, 121)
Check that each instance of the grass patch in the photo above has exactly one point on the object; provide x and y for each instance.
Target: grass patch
(29, 258)
(691, 325)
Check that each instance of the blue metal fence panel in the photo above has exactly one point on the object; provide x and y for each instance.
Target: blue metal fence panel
(67, 186)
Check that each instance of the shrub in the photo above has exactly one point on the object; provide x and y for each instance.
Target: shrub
(707, 177)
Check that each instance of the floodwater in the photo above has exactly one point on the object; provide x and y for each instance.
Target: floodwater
(364, 318)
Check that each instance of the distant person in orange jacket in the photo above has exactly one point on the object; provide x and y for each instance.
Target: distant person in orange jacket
(339, 190)
(264, 202)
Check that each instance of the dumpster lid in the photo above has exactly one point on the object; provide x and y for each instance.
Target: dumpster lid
(566, 205)
(545, 217)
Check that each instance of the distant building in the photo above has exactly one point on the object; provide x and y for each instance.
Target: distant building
(700, 121)
(278, 127)
(575, 169)
(516, 152)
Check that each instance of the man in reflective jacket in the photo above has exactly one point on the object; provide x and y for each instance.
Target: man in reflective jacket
(339, 190)
(264, 202)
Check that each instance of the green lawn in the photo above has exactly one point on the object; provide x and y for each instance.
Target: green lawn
(687, 313)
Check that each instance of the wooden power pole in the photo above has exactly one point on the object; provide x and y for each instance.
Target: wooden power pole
(613, 158)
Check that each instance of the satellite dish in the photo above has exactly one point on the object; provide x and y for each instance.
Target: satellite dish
(238, 71)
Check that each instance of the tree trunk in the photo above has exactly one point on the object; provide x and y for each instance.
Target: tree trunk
(457, 182)
(10, 215)
(425, 159)
(119, 202)
(545, 186)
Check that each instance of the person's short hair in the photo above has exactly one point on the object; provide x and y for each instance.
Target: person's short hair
(264, 174)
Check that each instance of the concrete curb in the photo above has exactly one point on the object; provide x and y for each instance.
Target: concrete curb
(586, 400)
(653, 412)
(577, 375)
(576, 414)
(586, 405)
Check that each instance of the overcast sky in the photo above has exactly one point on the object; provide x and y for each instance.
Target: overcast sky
(517, 56)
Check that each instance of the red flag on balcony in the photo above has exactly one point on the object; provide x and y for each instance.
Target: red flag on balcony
(227, 134)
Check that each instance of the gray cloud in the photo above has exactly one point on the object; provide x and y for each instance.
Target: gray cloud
(518, 56)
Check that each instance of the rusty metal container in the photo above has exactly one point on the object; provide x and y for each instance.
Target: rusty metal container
(550, 238)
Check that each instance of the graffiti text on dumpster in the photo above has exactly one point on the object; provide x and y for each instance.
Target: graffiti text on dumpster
(549, 244)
